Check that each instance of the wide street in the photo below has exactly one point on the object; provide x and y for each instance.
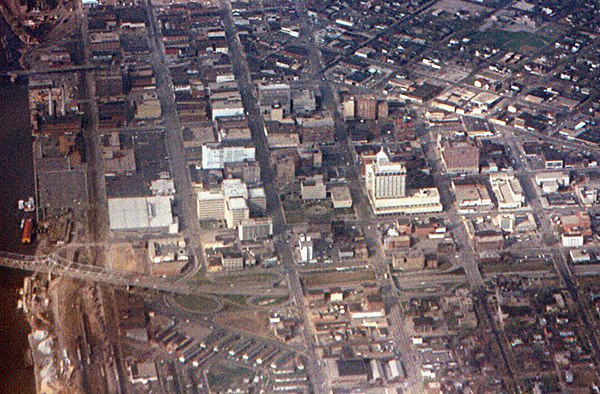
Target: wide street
(317, 374)
(185, 207)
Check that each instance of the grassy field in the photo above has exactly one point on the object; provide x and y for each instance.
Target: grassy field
(297, 211)
(294, 217)
(249, 279)
(237, 298)
(332, 278)
(200, 278)
(268, 301)
(194, 303)
(507, 267)
(223, 377)
(508, 40)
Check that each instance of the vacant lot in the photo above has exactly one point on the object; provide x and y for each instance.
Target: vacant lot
(333, 278)
(124, 257)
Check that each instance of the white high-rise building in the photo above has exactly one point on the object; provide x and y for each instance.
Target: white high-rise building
(386, 187)
(386, 179)
(305, 244)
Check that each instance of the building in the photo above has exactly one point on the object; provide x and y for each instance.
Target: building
(382, 110)
(349, 108)
(572, 240)
(579, 223)
(162, 187)
(313, 188)
(551, 181)
(215, 155)
(257, 201)
(366, 107)
(488, 240)
(211, 205)
(142, 372)
(507, 190)
(274, 96)
(587, 195)
(304, 102)
(553, 159)
(384, 179)
(580, 256)
(460, 157)
(226, 108)
(236, 211)
(148, 106)
(254, 229)
(167, 256)
(145, 214)
(471, 195)
(285, 162)
(425, 200)
(408, 260)
(305, 245)
(232, 260)
(476, 128)
(341, 197)
(234, 188)
(394, 240)
(352, 371)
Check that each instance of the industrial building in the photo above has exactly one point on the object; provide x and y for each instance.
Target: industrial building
(145, 214)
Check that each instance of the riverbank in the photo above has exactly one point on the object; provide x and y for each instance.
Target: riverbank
(16, 182)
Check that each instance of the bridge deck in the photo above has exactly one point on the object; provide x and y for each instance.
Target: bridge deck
(56, 265)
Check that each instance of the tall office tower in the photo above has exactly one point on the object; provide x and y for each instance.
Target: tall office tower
(385, 179)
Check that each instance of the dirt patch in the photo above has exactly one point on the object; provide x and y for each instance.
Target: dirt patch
(252, 321)
(126, 257)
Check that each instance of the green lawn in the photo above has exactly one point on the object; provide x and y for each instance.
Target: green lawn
(509, 40)
(194, 303)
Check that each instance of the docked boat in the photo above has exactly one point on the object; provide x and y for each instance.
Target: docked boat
(29, 205)
(21, 205)
(27, 233)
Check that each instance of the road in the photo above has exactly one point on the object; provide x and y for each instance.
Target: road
(58, 266)
(362, 206)
(255, 122)
(185, 208)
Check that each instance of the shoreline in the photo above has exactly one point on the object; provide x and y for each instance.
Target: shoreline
(17, 181)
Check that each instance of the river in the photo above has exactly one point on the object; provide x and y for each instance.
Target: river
(16, 182)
